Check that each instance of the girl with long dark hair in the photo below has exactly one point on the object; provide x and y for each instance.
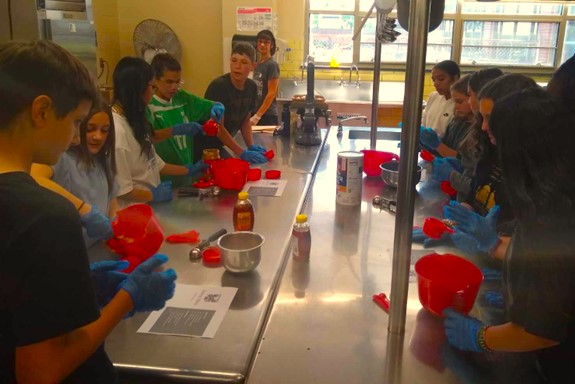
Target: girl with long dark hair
(139, 167)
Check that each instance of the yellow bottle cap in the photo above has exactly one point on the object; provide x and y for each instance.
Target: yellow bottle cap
(302, 218)
(243, 195)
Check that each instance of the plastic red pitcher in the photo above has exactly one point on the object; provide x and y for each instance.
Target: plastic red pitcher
(137, 232)
(372, 160)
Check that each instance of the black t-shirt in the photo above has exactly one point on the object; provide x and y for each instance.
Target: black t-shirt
(538, 275)
(487, 190)
(456, 131)
(238, 103)
(45, 284)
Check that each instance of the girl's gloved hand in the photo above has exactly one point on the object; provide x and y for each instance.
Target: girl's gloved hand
(254, 157)
(189, 129)
(97, 225)
(217, 112)
(418, 236)
(494, 299)
(197, 167)
(163, 192)
(490, 274)
(150, 290)
(442, 169)
(483, 229)
(462, 330)
(428, 137)
(106, 279)
(257, 148)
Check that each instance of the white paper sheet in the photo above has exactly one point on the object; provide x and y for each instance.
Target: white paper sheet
(264, 187)
(194, 311)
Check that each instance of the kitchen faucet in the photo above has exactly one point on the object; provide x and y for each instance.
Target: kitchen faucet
(353, 66)
(341, 121)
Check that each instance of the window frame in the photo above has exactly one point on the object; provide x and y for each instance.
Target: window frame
(459, 18)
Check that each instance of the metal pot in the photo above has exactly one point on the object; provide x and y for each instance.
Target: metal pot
(241, 251)
(390, 173)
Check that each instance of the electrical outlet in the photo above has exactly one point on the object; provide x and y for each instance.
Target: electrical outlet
(101, 63)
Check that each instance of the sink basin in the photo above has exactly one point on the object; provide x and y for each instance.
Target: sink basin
(382, 134)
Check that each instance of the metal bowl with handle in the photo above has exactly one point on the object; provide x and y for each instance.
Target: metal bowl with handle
(390, 173)
(241, 251)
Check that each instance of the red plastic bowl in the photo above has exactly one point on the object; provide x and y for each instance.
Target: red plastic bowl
(435, 228)
(447, 281)
(273, 174)
(373, 159)
(230, 173)
(136, 232)
(211, 127)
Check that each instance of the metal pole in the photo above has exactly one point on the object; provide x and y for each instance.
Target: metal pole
(376, 71)
(412, 101)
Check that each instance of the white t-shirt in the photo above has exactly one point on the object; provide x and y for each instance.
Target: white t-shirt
(135, 169)
(437, 113)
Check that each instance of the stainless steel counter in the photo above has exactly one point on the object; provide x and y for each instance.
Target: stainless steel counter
(226, 357)
(324, 326)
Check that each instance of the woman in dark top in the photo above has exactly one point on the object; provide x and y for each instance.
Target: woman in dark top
(266, 76)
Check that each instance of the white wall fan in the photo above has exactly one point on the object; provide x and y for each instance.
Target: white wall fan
(152, 36)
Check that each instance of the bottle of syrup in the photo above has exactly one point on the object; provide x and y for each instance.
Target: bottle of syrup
(243, 213)
(301, 238)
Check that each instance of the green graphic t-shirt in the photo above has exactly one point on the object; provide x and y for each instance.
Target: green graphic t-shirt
(183, 108)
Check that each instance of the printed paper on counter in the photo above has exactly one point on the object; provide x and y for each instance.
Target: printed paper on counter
(195, 311)
(265, 187)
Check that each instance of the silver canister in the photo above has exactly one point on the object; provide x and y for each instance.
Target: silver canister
(349, 177)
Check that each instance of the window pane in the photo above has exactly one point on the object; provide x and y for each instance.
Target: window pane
(569, 44)
(571, 9)
(450, 6)
(512, 8)
(509, 43)
(330, 36)
(364, 5)
(438, 44)
(332, 5)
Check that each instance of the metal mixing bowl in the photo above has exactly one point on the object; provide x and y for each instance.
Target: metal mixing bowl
(241, 251)
(390, 173)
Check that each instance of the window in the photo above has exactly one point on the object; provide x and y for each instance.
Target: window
(539, 34)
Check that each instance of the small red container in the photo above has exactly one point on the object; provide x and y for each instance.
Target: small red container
(211, 127)
(212, 255)
(254, 174)
(373, 159)
(435, 228)
(137, 232)
(269, 154)
(273, 174)
(230, 173)
(447, 188)
(447, 281)
(426, 155)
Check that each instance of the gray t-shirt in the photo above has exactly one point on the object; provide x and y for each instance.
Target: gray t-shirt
(88, 184)
(263, 72)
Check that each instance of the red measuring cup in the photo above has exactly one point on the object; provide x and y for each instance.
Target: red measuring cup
(435, 228)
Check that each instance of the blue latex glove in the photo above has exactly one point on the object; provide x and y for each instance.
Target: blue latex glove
(490, 274)
(253, 157)
(106, 279)
(197, 167)
(442, 169)
(461, 330)
(257, 148)
(483, 229)
(97, 225)
(190, 129)
(217, 112)
(162, 192)
(494, 299)
(428, 137)
(418, 236)
(150, 290)
(465, 242)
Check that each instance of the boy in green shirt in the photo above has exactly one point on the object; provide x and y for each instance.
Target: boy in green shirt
(175, 114)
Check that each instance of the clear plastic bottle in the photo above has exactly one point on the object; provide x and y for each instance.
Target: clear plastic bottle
(243, 213)
(301, 238)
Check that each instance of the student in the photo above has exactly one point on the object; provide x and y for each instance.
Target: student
(139, 167)
(457, 128)
(266, 76)
(439, 108)
(176, 115)
(238, 95)
(534, 134)
(88, 170)
(562, 84)
(52, 329)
